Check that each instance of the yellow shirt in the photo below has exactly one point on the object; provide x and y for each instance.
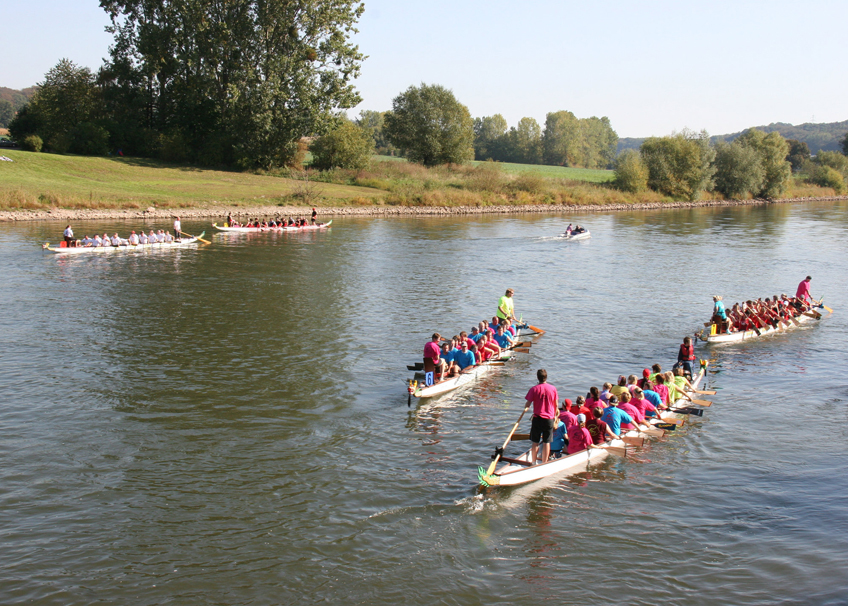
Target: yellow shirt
(505, 303)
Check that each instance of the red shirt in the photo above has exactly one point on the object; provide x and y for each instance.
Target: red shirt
(579, 439)
(569, 418)
(598, 430)
(432, 351)
(803, 291)
(544, 398)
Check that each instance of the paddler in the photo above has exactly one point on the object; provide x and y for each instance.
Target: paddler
(432, 356)
(464, 359)
(543, 397)
(803, 292)
(615, 418)
(506, 308)
(503, 340)
(599, 430)
(579, 438)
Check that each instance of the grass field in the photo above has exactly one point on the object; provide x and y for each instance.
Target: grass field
(37, 180)
(589, 175)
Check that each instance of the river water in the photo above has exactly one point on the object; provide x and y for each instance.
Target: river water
(229, 424)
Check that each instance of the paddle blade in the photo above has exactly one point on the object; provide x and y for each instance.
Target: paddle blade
(690, 411)
(672, 421)
(535, 329)
(666, 426)
(702, 402)
(522, 350)
(827, 308)
(707, 392)
(633, 440)
(520, 436)
(617, 450)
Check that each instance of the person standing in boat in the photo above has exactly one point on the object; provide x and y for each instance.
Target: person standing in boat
(314, 214)
(543, 397)
(803, 292)
(686, 356)
(506, 307)
(178, 229)
(719, 314)
(68, 235)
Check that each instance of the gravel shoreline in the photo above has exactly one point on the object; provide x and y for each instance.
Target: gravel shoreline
(60, 214)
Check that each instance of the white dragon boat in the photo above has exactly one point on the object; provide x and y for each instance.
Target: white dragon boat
(257, 230)
(583, 235)
(520, 469)
(81, 250)
(710, 336)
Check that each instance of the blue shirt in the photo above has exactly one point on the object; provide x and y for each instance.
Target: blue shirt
(719, 309)
(614, 417)
(558, 442)
(448, 357)
(503, 340)
(652, 397)
(464, 359)
(476, 337)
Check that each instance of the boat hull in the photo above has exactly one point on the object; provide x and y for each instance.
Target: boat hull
(581, 236)
(262, 230)
(461, 380)
(95, 250)
(747, 335)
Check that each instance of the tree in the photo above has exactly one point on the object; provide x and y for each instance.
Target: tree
(431, 126)
(845, 145)
(631, 174)
(799, 152)
(772, 149)
(525, 141)
(599, 143)
(561, 139)
(374, 124)
(7, 112)
(487, 131)
(739, 170)
(346, 146)
(241, 80)
(834, 160)
(680, 165)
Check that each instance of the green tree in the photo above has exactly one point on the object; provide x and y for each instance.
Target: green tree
(487, 131)
(680, 165)
(374, 124)
(799, 153)
(431, 126)
(561, 139)
(834, 160)
(242, 80)
(773, 150)
(739, 170)
(525, 141)
(599, 143)
(631, 174)
(7, 112)
(845, 144)
(827, 176)
(346, 146)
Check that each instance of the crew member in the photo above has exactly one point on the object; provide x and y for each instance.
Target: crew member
(686, 355)
(68, 235)
(543, 397)
(803, 292)
(506, 308)
(178, 226)
(432, 360)
(579, 437)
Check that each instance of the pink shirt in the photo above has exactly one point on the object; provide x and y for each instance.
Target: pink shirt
(643, 406)
(432, 351)
(569, 418)
(803, 290)
(633, 412)
(579, 439)
(661, 389)
(544, 397)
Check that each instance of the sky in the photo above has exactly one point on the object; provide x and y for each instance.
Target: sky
(652, 67)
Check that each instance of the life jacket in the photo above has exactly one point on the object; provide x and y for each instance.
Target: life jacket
(687, 352)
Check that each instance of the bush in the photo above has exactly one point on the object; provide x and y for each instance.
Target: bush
(834, 160)
(679, 166)
(88, 139)
(32, 143)
(631, 174)
(739, 170)
(827, 176)
(347, 146)
(532, 183)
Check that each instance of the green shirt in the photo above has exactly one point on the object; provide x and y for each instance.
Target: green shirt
(505, 303)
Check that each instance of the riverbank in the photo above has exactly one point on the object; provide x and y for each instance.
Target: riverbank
(268, 211)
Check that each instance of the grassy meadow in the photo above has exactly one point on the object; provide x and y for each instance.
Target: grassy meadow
(40, 181)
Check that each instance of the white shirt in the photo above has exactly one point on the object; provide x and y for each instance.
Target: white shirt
(68, 232)
(143, 238)
(116, 241)
(87, 241)
(134, 239)
(169, 238)
(97, 241)
(177, 226)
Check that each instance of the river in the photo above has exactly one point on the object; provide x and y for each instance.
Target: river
(228, 424)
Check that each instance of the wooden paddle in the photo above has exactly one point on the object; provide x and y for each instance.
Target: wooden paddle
(521, 349)
(822, 305)
(538, 330)
(660, 421)
(701, 402)
(508, 438)
(633, 440)
(706, 392)
(199, 238)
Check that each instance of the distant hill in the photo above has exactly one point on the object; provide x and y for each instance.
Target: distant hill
(819, 137)
(17, 97)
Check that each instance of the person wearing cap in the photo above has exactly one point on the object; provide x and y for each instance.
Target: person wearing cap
(615, 418)
(464, 359)
(134, 241)
(543, 397)
(579, 438)
(566, 415)
(506, 308)
(314, 214)
(803, 292)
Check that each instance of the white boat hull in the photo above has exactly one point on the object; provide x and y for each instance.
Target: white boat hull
(79, 250)
(585, 235)
(735, 337)
(262, 230)
(458, 381)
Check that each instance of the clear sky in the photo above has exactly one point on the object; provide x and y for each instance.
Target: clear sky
(651, 66)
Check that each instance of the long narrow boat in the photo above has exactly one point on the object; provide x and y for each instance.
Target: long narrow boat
(462, 379)
(583, 235)
(258, 230)
(709, 335)
(520, 470)
(79, 250)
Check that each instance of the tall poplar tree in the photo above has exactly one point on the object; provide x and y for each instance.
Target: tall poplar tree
(234, 81)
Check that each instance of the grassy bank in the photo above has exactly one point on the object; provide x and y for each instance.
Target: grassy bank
(35, 181)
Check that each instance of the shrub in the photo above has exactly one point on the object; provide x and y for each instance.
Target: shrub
(631, 174)
(32, 143)
(739, 170)
(347, 146)
(827, 176)
(532, 183)
(834, 160)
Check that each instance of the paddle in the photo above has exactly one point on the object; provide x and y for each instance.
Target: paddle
(701, 402)
(829, 310)
(706, 392)
(662, 421)
(690, 411)
(521, 349)
(538, 330)
(198, 237)
(633, 440)
(508, 438)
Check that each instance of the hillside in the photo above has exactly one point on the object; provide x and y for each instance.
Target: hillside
(17, 97)
(819, 137)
